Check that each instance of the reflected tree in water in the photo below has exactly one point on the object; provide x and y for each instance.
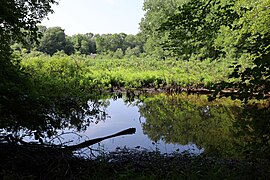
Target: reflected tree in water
(186, 119)
(44, 119)
(254, 129)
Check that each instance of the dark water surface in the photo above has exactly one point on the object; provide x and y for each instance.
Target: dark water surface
(175, 123)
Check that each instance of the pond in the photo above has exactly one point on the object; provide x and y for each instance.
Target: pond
(166, 123)
(121, 115)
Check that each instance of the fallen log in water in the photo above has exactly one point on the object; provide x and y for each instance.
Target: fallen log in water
(97, 140)
(12, 141)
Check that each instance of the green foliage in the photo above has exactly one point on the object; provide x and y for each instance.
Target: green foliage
(107, 43)
(132, 52)
(16, 16)
(156, 13)
(18, 93)
(53, 40)
(110, 42)
(193, 28)
(85, 72)
(235, 31)
(84, 43)
(118, 54)
(251, 38)
(18, 20)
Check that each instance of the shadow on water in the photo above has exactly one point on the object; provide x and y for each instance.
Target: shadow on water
(40, 123)
(175, 122)
(253, 130)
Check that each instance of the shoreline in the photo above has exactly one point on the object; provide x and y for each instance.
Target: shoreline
(24, 163)
(177, 90)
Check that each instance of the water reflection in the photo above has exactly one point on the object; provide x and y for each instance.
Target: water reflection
(124, 114)
(164, 123)
(254, 130)
(224, 128)
(190, 119)
(45, 120)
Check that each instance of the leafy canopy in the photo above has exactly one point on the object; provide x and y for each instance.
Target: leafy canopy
(18, 18)
(16, 15)
(236, 31)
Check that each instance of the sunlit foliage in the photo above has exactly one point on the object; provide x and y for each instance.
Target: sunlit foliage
(235, 31)
(86, 72)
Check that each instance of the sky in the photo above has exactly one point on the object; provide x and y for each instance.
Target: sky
(96, 16)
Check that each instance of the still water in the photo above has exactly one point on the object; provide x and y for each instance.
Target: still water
(167, 123)
(121, 115)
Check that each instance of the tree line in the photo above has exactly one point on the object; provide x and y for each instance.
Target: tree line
(54, 39)
(235, 31)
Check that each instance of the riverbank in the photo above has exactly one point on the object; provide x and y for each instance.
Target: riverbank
(18, 162)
